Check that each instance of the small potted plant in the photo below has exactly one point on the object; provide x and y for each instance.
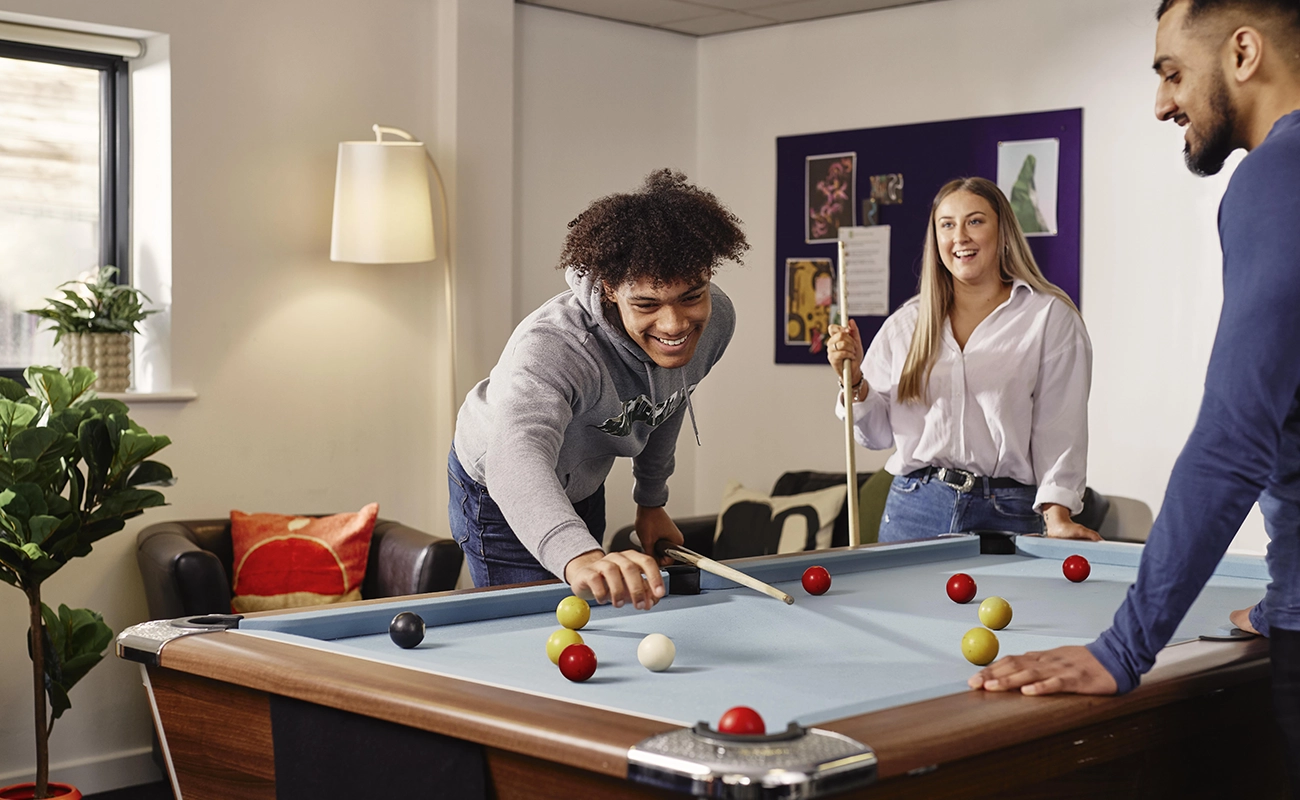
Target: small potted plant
(73, 469)
(95, 319)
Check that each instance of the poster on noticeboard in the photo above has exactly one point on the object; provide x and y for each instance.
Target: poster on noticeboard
(809, 296)
(1027, 175)
(829, 196)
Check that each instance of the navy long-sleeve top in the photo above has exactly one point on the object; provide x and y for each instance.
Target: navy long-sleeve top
(1247, 434)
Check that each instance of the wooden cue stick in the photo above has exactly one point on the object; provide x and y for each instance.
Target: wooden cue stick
(851, 467)
(721, 570)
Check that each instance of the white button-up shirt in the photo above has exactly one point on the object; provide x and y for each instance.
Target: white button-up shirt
(1013, 404)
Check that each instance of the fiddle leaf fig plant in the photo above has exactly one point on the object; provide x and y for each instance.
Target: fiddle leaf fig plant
(73, 469)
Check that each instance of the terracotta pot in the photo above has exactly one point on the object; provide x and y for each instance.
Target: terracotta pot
(108, 354)
(26, 791)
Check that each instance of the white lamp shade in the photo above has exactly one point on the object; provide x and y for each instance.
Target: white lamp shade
(382, 213)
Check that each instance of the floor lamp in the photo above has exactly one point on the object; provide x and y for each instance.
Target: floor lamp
(382, 214)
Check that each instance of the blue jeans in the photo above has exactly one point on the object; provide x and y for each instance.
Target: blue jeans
(494, 554)
(923, 508)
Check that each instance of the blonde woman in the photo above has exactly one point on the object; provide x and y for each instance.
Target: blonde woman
(980, 382)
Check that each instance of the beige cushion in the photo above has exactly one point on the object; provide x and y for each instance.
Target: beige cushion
(752, 523)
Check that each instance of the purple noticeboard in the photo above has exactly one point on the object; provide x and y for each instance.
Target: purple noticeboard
(927, 155)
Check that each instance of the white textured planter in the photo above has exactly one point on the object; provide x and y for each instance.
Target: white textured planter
(108, 354)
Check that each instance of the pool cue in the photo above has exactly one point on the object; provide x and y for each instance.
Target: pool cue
(663, 547)
(851, 476)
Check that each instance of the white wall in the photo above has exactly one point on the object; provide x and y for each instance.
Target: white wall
(474, 55)
(1151, 266)
(599, 106)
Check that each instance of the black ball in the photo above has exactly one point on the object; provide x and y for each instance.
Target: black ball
(406, 630)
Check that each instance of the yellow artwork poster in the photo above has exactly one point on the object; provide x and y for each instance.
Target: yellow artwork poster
(809, 293)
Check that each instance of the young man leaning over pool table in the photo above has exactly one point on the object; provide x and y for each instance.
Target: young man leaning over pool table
(602, 371)
(1230, 74)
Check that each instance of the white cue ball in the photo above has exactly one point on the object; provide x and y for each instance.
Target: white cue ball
(656, 652)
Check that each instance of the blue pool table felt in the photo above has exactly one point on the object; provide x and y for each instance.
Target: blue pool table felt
(880, 637)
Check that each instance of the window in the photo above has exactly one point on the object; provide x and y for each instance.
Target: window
(63, 184)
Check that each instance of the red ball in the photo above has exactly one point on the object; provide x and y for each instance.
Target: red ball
(961, 588)
(742, 721)
(1076, 568)
(578, 662)
(816, 580)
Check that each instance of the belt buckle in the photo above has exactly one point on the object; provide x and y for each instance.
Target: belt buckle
(967, 478)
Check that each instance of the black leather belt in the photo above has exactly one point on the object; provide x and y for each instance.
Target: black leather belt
(964, 481)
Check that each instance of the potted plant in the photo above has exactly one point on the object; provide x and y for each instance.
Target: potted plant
(73, 468)
(95, 320)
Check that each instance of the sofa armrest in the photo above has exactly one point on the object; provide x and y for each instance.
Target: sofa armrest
(180, 577)
(406, 561)
(697, 531)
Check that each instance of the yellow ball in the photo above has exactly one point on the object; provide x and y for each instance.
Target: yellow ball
(560, 640)
(995, 613)
(980, 646)
(573, 613)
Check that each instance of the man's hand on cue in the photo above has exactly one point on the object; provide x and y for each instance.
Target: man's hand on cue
(620, 577)
(1064, 669)
(652, 525)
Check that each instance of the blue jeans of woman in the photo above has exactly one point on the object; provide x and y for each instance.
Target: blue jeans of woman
(494, 554)
(925, 507)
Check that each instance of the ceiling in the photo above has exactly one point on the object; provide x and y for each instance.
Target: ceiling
(707, 17)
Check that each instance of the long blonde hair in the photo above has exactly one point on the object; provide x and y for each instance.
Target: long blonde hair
(936, 294)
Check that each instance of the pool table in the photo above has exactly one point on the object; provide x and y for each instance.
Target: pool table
(869, 677)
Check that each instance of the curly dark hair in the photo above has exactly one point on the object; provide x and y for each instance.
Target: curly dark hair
(667, 231)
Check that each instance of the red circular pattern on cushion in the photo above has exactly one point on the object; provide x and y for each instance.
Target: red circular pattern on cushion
(296, 564)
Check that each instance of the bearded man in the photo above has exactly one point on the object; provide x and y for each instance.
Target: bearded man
(1230, 76)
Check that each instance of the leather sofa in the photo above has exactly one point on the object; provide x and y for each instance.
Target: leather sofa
(186, 565)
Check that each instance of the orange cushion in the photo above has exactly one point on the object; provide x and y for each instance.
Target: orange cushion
(287, 562)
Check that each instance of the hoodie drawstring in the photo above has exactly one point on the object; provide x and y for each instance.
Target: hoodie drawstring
(691, 409)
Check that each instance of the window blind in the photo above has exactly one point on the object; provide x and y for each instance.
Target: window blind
(71, 40)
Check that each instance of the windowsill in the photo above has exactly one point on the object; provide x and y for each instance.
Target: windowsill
(182, 396)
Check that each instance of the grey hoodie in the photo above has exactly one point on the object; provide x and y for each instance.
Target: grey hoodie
(570, 393)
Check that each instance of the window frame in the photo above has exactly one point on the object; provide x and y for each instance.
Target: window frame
(114, 150)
